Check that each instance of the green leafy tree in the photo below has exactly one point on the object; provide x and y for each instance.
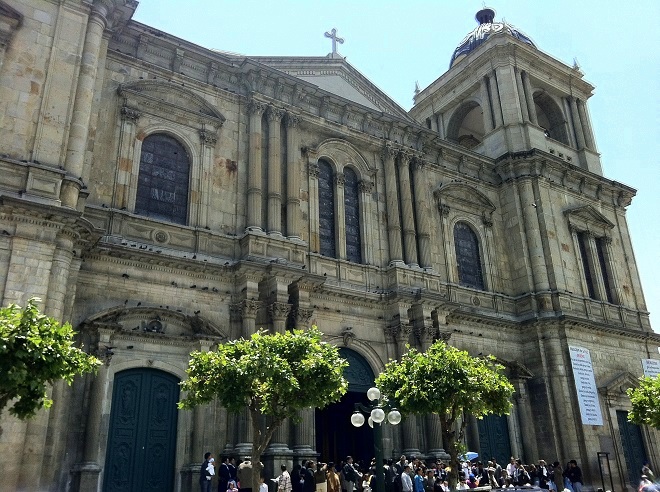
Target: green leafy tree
(274, 374)
(35, 351)
(450, 383)
(645, 401)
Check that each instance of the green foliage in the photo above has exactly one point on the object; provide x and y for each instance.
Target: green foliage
(35, 350)
(646, 402)
(274, 374)
(448, 382)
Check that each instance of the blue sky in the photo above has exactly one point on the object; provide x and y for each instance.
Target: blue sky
(395, 44)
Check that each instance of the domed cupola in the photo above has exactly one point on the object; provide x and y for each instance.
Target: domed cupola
(483, 31)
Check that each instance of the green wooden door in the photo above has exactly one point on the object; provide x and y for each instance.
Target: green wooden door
(142, 438)
(494, 439)
(633, 447)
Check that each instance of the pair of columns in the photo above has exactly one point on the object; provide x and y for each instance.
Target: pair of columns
(597, 271)
(274, 169)
(407, 211)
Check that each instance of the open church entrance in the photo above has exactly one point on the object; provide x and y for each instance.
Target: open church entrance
(336, 437)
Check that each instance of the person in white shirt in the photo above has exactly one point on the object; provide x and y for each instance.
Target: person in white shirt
(263, 487)
(406, 481)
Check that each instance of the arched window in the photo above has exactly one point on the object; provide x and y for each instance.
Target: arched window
(326, 210)
(466, 126)
(468, 259)
(550, 117)
(162, 191)
(352, 216)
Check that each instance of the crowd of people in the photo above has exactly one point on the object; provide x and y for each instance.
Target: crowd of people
(415, 475)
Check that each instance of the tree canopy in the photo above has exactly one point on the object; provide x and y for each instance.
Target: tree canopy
(35, 350)
(645, 401)
(275, 375)
(450, 383)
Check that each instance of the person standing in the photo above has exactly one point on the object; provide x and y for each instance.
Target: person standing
(406, 481)
(557, 483)
(351, 474)
(284, 483)
(332, 479)
(244, 473)
(223, 474)
(205, 475)
(574, 474)
(320, 478)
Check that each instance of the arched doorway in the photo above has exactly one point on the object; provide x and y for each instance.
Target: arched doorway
(336, 437)
(494, 438)
(142, 436)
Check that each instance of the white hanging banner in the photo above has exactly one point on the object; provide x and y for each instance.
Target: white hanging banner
(651, 367)
(585, 385)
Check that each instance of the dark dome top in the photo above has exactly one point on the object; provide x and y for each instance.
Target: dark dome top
(485, 29)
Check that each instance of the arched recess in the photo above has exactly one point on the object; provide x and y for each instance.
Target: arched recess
(550, 117)
(466, 125)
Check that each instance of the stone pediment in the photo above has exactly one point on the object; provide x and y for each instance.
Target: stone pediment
(169, 97)
(619, 385)
(464, 197)
(154, 321)
(587, 218)
(335, 75)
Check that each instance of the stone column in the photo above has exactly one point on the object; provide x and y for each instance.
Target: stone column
(422, 213)
(292, 176)
(486, 106)
(529, 97)
(274, 171)
(407, 217)
(59, 275)
(594, 264)
(521, 95)
(495, 95)
(613, 277)
(313, 172)
(249, 310)
(201, 437)
(409, 423)
(83, 102)
(208, 139)
(340, 214)
(586, 128)
(302, 317)
(305, 440)
(526, 419)
(533, 235)
(129, 119)
(279, 312)
(577, 125)
(366, 226)
(254, 219)
(392, 198)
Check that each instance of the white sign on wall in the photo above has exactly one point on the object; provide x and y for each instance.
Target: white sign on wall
(651, 367)
(585, 385)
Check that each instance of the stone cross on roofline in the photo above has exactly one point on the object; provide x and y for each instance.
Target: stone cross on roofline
(335, 39)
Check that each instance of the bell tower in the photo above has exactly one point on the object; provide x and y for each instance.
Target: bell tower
(503, 95)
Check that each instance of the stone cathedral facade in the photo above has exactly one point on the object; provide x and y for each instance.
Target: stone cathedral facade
(165, 198)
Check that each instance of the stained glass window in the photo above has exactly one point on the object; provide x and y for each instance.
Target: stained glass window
(352, 216)
(326, 210)
(468, 258)
(162, 191)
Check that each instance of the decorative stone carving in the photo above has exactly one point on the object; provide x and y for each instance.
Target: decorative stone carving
(130, 114)
(487, 221)
(161, 236)
(279, 310)
(340, 179)
(302, 316)
(207, 137)
(292, 120)
(313, 170)
(275, 114)
(366, 186)
(348, 336)
(256, 107)
(248, 308)
(443, 209)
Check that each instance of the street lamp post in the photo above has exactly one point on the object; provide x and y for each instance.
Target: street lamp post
(376, 417)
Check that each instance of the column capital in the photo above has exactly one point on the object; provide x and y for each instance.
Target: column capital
(366, 186)
(247, 308)
(207, 137)
(292, 120)
(313, 170)
(302, 316)
(443, 209)
(606, 239)
(275, 114)
(279, 311)
(390, 151)
(487, 221)
(130, 114)
(418, 162)
(257, 107)
(405, 157)
(340, 179)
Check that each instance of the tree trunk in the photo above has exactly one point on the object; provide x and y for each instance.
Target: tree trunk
(261, 438)
(452, 449)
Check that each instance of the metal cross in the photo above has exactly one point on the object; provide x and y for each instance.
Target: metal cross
(335, 39)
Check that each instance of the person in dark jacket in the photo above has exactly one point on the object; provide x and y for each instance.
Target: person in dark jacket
(204, 473)
(574, 474)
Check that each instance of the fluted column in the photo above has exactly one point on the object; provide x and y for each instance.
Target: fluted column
(292, 176)
(422, 213)
(521, 95)
(129, 119)
(207, 140)
(82, 105)
(594, 264)
(495, 95)
(529, 97)
(59, 275)
(533, 236)
(392, 198)
(577, 125)
(248, 310)
(407, 217)
(254, 219)
(274, 171)
(584, 122)
(487, 109)
(304, 433)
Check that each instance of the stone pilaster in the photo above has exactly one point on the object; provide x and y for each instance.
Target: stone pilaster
(126, 156)
(535, 251)
(586, 127)
(274, 171)
(302, 317)
(340, 213)
(208, 140)
(577, 124)
(248, 310)
(529, 98)
(59, 275)
(407, 217)
(292, 176)
(304, 434)
(392, 197)
(422, 213)
(254, 219)
(366, 225)
(521, 95)
(313, 173)
(486, 106)
(495, 97)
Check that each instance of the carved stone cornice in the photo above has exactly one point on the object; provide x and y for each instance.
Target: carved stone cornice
(207, 137)
(279, 311)
(366, 186)
(313, 170)
(130, 114)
